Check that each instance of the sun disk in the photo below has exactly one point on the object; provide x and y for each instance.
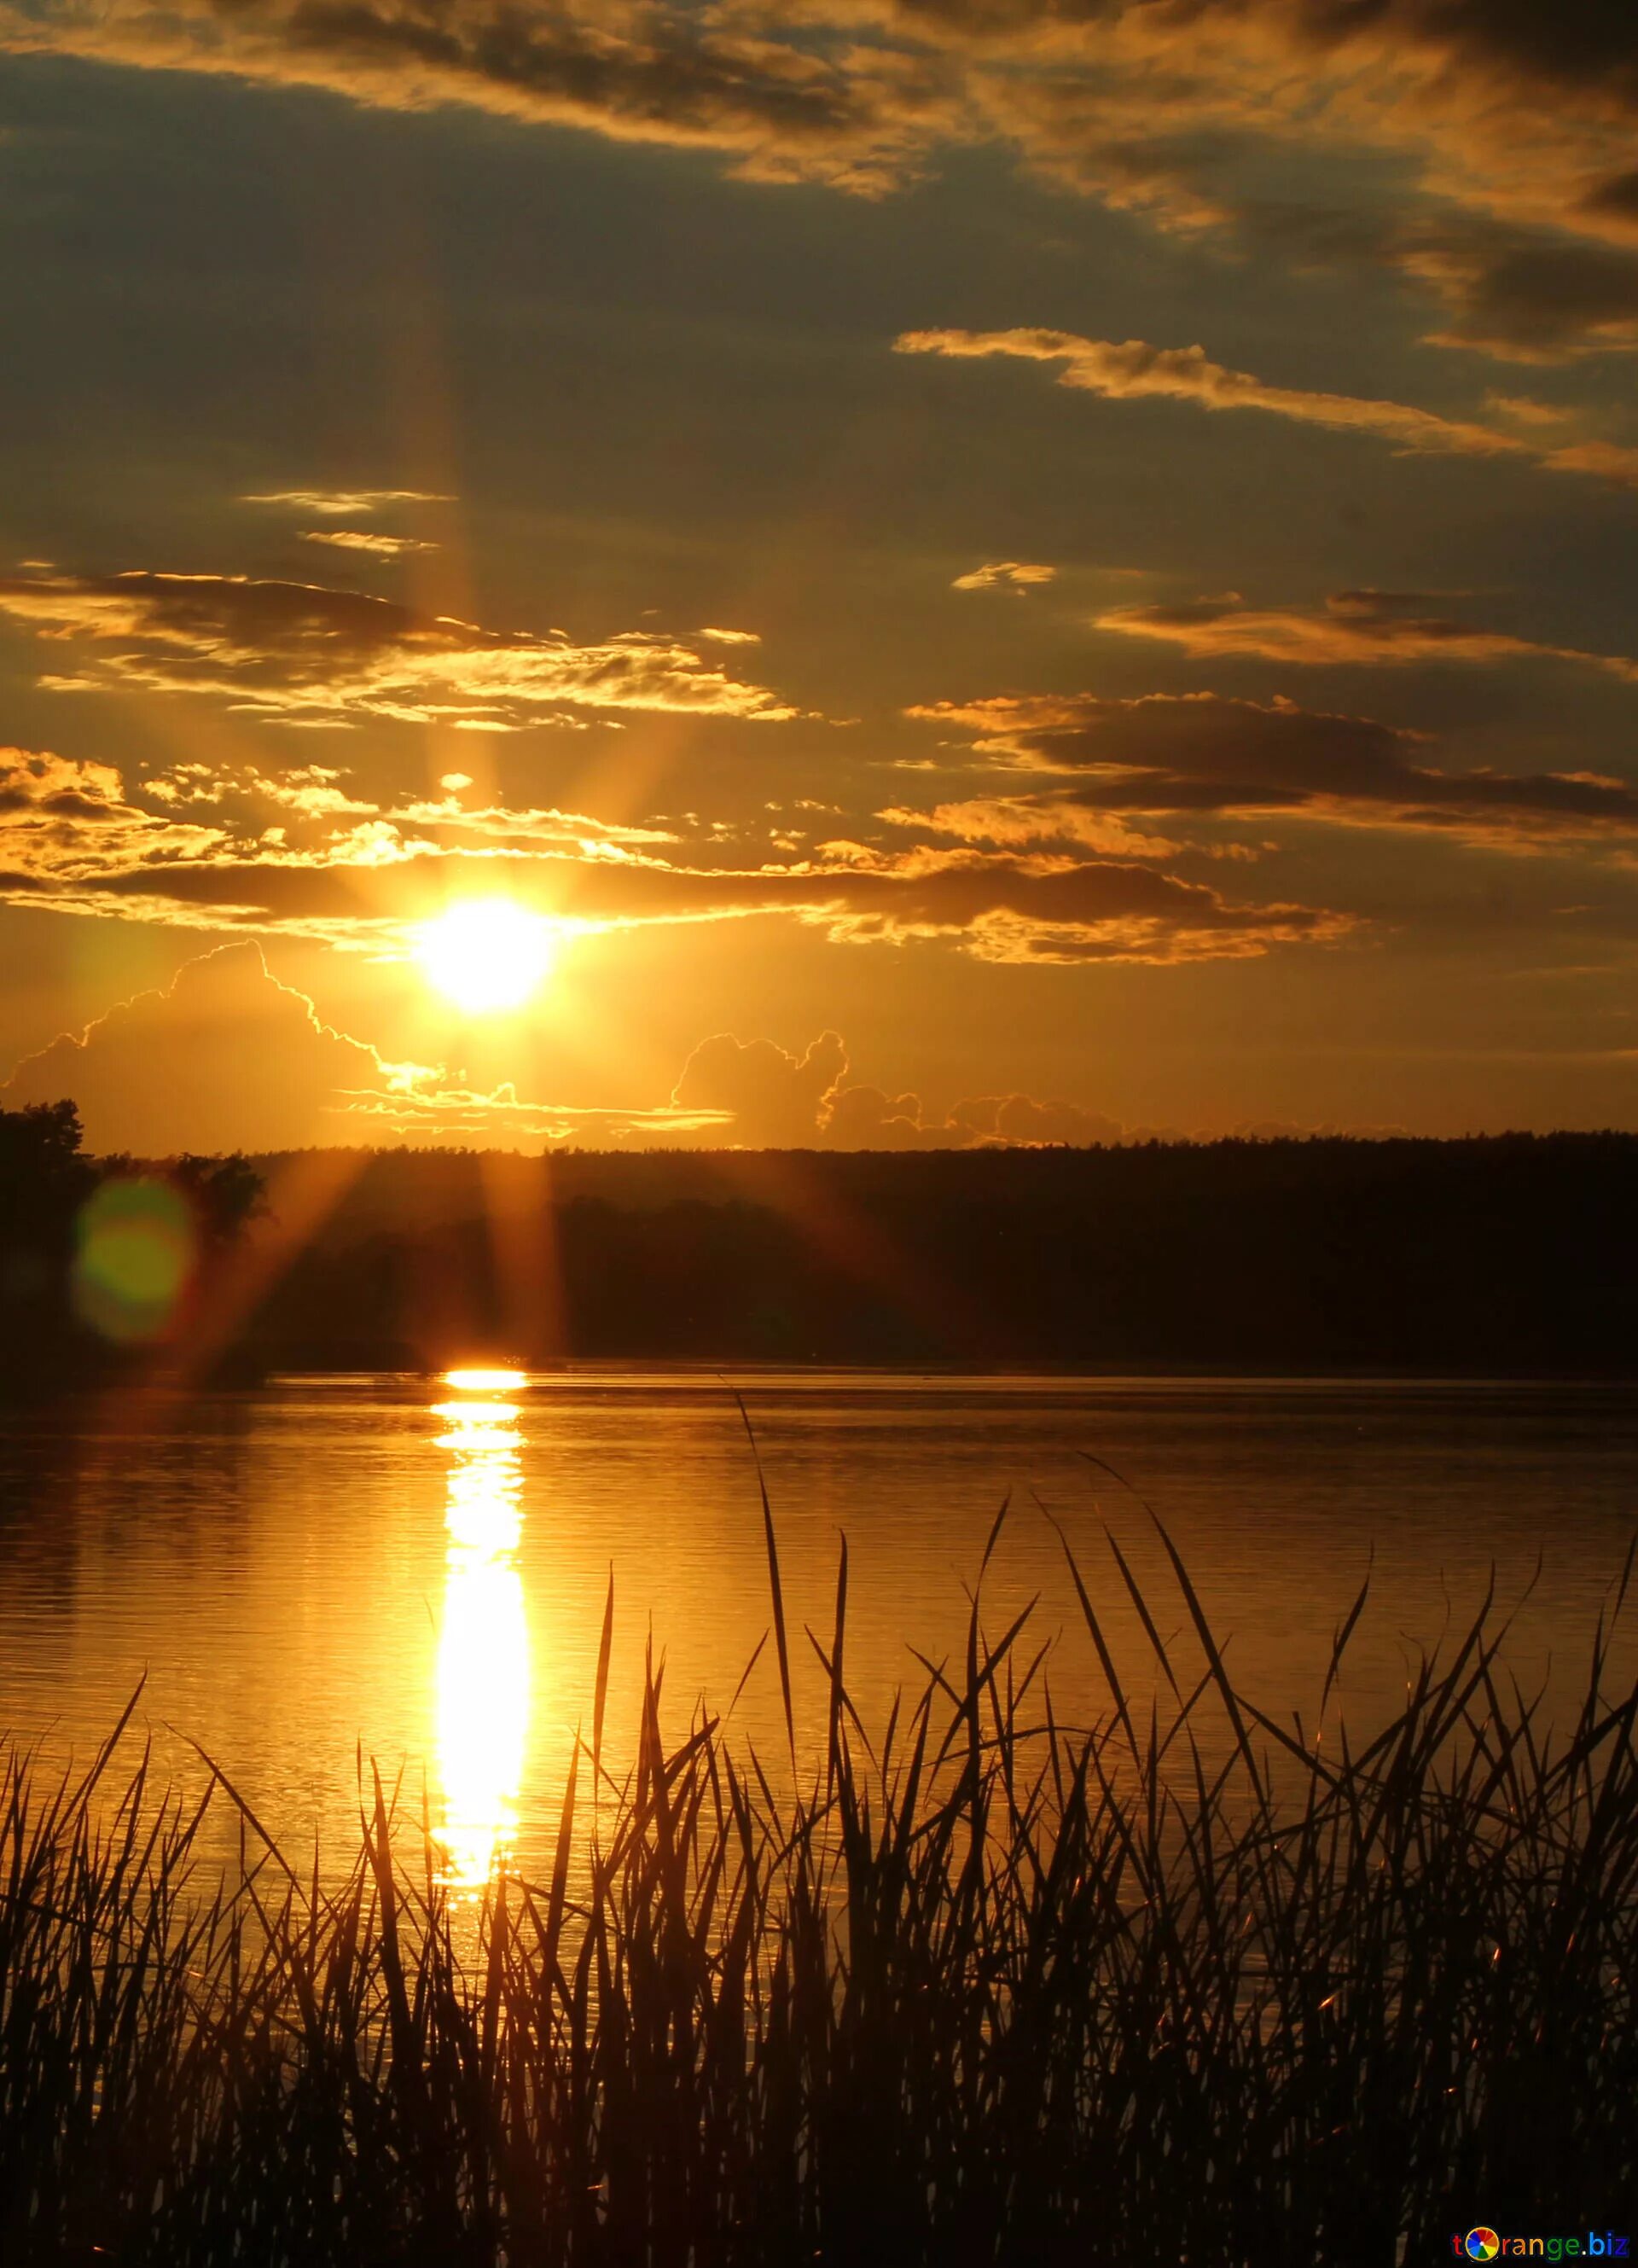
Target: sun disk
(486, 955)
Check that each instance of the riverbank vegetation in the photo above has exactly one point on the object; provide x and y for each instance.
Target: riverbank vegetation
(969, 1986)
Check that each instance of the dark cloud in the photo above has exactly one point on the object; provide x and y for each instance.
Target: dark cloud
(1528, 298)
(1168, 754)
(1586, 41)
(1614, 198)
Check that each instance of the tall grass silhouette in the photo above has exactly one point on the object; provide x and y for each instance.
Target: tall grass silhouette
(975, 1987)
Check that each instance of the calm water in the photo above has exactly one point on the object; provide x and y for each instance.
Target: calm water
(420, 1568)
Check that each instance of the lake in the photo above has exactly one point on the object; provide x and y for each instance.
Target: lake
(414, 1569)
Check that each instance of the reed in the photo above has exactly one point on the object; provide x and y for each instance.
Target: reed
(979, 1989)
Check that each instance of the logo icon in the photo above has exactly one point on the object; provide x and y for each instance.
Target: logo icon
(1481, 2245)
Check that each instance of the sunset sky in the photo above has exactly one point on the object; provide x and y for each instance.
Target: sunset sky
(956, 568)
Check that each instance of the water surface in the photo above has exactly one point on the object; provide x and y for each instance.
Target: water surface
(415, 1570)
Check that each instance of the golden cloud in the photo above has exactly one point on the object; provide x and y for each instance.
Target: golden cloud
(357, 539)
(301, 653)
(369, 883)
(1511, 125)
(1131, 370)
(1369, 626)
(997, 574)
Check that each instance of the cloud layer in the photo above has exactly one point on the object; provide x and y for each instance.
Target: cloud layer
(1509, 122)
(298, 654)
(226, 1057)
(1168, 757)
(339, 867)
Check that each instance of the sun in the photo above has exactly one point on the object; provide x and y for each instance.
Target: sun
(486, 954)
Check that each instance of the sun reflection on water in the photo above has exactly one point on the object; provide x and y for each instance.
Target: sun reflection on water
(483, 1643)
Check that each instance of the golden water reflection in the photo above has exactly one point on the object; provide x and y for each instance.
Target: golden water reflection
(484, 1641)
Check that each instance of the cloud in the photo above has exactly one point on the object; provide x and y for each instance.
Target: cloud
(1509, 125)
(228, 1058)
(450, 821)
(301, 653)
(1351, 627)
(1019, 1118)
(1524, 296)
(336, 866)
(370, 887)
(1132, 370)
(1013, 820)
(346, 504)
(63, 820)
(225, 1058)
(1016, 574)
(779, 107)
(73, 833)
(354, 540)
(1167, 755)
(771, 1099)
(308, 791)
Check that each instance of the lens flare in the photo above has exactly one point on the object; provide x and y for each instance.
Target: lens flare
(486, 955)
(485, 1382)
(483, 1642)
(136, 1247)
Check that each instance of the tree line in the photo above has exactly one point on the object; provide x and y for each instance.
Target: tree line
(1505, 1254)
(1508, 1254)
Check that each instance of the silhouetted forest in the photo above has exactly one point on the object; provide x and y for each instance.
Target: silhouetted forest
(1510, 1254)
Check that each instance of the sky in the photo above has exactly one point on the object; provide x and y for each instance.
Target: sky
(958, 570)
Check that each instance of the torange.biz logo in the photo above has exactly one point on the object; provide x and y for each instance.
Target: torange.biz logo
(1484, 2244)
